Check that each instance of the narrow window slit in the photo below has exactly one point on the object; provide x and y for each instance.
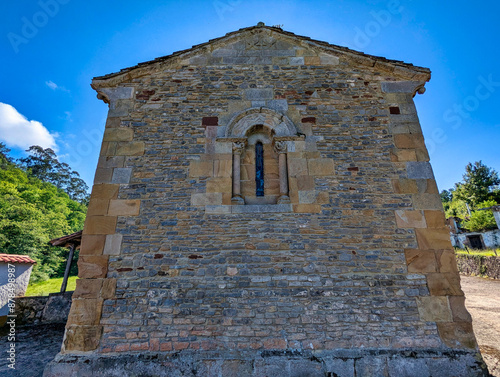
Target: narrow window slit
(259, 169)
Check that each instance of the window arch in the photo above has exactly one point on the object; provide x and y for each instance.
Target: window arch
(260, 173)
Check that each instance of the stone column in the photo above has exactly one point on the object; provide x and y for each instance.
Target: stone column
(280, 147)
(238, 148)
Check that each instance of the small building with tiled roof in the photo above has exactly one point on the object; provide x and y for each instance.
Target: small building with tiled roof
(15, 272)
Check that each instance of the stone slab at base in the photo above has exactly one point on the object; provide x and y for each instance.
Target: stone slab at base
(279, 363)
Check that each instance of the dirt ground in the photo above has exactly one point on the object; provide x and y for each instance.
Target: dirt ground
(482, 299)
(37, 345)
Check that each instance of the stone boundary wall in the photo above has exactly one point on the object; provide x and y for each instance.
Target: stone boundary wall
(479, 265)
(36, 310)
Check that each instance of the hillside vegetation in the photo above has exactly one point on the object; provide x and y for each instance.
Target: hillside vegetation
(37, 204)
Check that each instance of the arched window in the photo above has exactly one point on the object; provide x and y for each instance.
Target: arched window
(259, 169)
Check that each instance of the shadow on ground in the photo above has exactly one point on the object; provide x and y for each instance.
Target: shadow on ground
(35, 347)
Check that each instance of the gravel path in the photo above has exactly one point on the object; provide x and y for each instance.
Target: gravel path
(482, 299)
(37, 345)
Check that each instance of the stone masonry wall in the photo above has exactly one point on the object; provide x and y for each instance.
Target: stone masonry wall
(359, 258)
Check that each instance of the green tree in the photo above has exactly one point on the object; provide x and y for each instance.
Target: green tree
(43, 164)
(5, 159)
(481, 220)
(31, 213)
(479, 184)
(456, 208)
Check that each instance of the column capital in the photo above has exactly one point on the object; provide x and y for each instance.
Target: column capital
(239, 147)
(280, 147)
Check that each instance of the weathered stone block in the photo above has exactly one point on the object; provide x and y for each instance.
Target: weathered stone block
(419, 170)
(113, 244)
(237, 368)
(280, 105)
(434, 219)
(88, 288)
(400, 86)
(399, 367)
(92, 244)
(92, 266)
(404, 155)
(111, 161)
(307, 197)
(121, 175)
(112, 122)
(104, 191)
(321, 166)
(306, 208)
(297, 167)
(422, 154)
(371, 366)
(421, 260)
(98, 207)
(212, 198)
(118, 93)
(133, 148)
(434, 309)
(447, 261)
(312, 60)
(259, 94)
(219, 185)
(201, 168)
(103, 175)
(405, 186)
(122, 207)
(427, 201)
(108, 148)
(460, 313)
(305, 183)
(118, 134)
(407, 141)
(329, 60)
(100, 225)
(223, 168)
(433, 239)
(457, 334)
(218, 210)
(444, 284)
(410, 219)
(108, 289)
(341, 367)
(82, 338)
(120, 108)
(85, 311)
(323, 197)
(299, 60)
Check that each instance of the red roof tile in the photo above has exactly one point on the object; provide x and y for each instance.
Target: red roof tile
(13, 258)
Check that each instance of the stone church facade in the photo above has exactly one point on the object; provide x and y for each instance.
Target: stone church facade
(264, 205)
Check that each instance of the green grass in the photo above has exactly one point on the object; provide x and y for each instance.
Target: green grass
(484, 253)
(50, 286)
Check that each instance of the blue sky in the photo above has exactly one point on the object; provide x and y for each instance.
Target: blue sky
(51, 49)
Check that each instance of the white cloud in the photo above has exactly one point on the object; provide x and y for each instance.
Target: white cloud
(52, 85)
(17, 131)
